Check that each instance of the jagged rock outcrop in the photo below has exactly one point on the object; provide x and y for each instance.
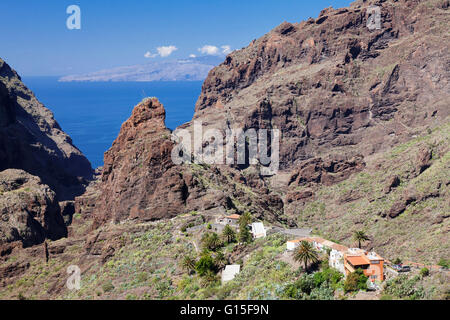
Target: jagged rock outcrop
(335, 89)
(332, 86)
(31, 140)
(29, 211)
(140, 180)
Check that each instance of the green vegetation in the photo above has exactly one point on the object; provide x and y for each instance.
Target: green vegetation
(305, 253)
(356, 281)
(360, 236)
(404, 287)
(444, 263)
(424, 272)
(229, 234)
(205, 265)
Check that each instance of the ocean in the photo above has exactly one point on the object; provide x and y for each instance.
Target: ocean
(92, 112)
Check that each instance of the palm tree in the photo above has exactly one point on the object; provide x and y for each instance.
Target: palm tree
(188, 263)
(220, 260)
(306, 253)
(229, 234)
(245, 219)
(360, 236)
(211, 241)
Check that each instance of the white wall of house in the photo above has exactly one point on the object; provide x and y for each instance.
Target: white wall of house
(336, 260)
(290, 246)
(257, 230)
(230, 272)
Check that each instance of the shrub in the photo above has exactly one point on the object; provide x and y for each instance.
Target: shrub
(329, 276)
(424, 272)
(404, 287)
(142, 277)
(205, 264)
(355, 281)
(107, 287)
(397, 261)
(444, 263)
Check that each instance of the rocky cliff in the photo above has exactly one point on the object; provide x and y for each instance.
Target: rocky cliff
(140, 180)
(342, 95)
(364, 118)
(31, 140)
(332, 86)
(39, 167)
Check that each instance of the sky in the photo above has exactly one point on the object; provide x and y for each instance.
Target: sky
(37, 42)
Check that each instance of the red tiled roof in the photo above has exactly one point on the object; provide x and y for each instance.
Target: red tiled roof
(234, 217)
(357, 260)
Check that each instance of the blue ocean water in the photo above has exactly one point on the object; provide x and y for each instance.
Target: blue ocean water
(92, 112)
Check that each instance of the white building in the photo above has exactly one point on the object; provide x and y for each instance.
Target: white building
(336, 260)
(230, 272)
(292, 244)
(257, 230)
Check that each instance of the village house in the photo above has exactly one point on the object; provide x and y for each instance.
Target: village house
(370, 262)
(230, 272)
(257, 230)
(232, 220)
(346, 260)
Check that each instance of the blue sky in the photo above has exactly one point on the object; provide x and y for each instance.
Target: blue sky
(36, 41)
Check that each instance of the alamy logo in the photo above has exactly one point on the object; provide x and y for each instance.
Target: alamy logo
(374, 18)
(74, 280)
(74, 20)
(258, 147)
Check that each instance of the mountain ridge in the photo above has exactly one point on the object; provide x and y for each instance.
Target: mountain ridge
(190, 69)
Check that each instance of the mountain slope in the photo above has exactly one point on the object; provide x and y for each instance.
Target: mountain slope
(31, 140)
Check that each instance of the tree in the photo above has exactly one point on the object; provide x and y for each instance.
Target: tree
(229, 234)
(245, 219)
(211, 241)
(220, 260)
(356, 281)
(244, 235)
(306, 253)
(205, 264)
(188, 264)
(360, 236)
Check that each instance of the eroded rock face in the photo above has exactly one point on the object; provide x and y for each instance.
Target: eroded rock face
(31, 140)
(332, 84)
(326, 172)
(29, 211)
(140, 181)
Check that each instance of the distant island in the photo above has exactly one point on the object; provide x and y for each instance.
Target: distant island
(191, 69)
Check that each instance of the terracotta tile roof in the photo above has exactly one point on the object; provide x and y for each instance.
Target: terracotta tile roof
(234, 217)
(357, 260)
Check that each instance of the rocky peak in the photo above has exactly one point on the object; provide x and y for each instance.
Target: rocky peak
(31, 140)
(332, 82)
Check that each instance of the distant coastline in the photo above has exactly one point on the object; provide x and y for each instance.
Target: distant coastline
(192, 69)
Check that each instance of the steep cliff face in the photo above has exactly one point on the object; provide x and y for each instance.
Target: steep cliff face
(29, 210)
(332, 86)
(140, 180)
(353, 106)
(31, 140)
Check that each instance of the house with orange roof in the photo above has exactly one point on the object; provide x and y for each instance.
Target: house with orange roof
(370, 262)
(344, 259)
(232, 220)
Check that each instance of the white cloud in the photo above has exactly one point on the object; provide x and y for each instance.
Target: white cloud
(166, 51)
(192, 56)
(148, 54)
(163, 52)
(209, 50)
(226, 49)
